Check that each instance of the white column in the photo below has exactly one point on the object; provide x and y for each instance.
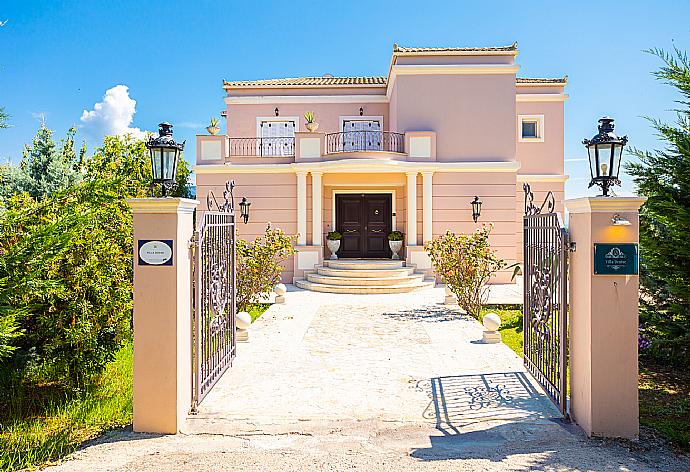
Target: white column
(412, 208)
(316, 213)
(301, 208)
(427, 206)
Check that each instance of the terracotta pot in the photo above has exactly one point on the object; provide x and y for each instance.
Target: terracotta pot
(396, 246)
(333, 246)
(312, 127)
(214, 130)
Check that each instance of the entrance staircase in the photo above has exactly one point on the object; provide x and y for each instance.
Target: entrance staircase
(365, 276)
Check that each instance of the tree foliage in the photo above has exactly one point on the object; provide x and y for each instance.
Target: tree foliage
(663, 176)
(45, 167)
(466, 264)
(4, 118)
(259, 265)
(66, 254)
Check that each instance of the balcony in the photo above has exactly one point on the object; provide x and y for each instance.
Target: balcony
(262, 147)
(365, 141)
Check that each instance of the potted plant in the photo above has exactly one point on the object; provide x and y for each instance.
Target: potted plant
(213, 127)
(333, 242)
(311, 125)
(395, 241)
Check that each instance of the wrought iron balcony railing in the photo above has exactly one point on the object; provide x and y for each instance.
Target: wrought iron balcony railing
(354, 141)
(262, 147)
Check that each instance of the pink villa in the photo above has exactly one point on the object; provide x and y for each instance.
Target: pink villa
(408, 151)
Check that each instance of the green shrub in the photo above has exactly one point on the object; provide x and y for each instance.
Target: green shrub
(66, 280)
(396, 236)
(259, 265)
(466, 264)
(334, 236)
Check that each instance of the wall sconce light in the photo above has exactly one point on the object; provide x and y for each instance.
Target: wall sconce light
(618, 220)
(244, 210)
(476, 208)
(361, 111)
(277, 111)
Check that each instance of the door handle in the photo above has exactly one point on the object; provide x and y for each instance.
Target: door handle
(350, 230)
(377, 231)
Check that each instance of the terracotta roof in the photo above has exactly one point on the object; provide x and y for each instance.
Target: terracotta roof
(326, 81)
(512, 47)
(540, 80)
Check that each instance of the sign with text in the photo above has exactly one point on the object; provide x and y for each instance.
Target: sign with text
(616, 259)
(155, 252)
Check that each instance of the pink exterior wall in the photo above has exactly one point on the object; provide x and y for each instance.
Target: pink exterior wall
(273, 198)
(241, 119)
(542, 157)
(473, 115)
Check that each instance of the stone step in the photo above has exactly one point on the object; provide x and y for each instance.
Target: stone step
(357, 264)
(347, 280)
(363, 289)
(359, 273)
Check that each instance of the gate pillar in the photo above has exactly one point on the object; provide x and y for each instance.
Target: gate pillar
(163, 228)
(604, 288)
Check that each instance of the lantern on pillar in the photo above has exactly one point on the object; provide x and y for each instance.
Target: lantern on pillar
(605, 150)
(165, 154)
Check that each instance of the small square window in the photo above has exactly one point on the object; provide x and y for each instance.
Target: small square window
(529, 129)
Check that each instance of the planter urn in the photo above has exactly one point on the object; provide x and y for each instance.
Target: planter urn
(395, 248)
(312, 127)
(333, 246)
(214, 130)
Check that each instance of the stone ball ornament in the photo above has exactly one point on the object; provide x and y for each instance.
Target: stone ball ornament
(492, 322)
(243, 320)
(280, 289)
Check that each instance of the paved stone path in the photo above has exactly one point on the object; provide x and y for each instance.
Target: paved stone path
(372, 382)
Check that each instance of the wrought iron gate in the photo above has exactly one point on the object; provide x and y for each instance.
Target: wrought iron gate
(545, 310)
(213, 330)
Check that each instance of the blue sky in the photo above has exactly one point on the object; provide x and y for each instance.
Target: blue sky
(58, 58)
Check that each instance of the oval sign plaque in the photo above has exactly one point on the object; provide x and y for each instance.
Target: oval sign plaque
(155, 252)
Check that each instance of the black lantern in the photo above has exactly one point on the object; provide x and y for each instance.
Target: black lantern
(476, 208)
(165, 153)
(244, 209)
(605, 150)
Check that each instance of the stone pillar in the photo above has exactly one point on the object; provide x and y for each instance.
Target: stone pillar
(316, 213)
(301, 208)
(427, 206)
(603, 320)
(411, 209)
(162, 313)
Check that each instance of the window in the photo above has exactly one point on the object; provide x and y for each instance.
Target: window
(362, 133)
(277, 135)
(531, 128)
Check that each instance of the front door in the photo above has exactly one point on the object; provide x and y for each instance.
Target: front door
(364, 221)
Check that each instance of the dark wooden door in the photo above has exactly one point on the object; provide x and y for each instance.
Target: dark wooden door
(365, 221)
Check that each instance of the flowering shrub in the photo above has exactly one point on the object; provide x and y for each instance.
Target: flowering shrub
(465, 264)
(259, 265)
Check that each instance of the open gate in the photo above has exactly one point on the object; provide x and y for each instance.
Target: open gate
(214, 295)
(545, 310)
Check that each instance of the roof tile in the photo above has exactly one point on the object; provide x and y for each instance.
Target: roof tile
(307, 82)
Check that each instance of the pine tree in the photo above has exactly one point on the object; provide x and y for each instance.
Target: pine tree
(663, 176)
(44, 168)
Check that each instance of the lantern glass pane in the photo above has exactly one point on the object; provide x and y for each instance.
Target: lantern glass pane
(156, 163)
(617, 151)
(591, 150)
(604, 160)
(169, 164)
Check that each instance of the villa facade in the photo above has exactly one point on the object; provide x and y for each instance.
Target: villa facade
(408, 152)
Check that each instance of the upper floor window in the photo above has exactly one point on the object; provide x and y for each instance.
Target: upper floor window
(276, 135)
(362, 133)
(531, 128)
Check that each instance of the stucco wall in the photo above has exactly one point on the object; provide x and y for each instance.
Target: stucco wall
(473, 115)
(273, 198)
(542, 157)
(241, 118)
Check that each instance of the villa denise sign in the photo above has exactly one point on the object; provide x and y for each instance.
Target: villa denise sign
(615, 259)
(155, 252)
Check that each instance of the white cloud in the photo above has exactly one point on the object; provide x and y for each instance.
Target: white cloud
(113, 115)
